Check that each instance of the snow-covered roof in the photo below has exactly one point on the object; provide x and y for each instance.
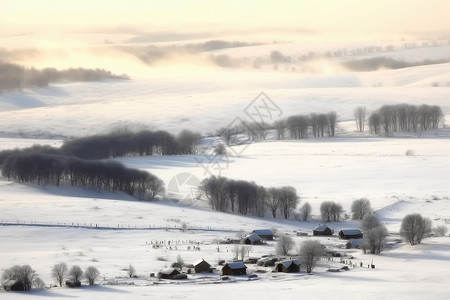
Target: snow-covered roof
(351, 231)
(236, 265)
(168, 271)
(254, 237)
(263, 231)
(200, 261)
(288, 263)
(321, 228)
(356, 242)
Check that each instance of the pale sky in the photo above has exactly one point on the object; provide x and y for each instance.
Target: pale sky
(385, 16)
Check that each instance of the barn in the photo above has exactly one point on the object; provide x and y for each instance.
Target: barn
(234, 268)
(287, 266)
(322, 230)
(168, 273)
(202, 266)
(266, 234)
(252, 239)
(347, 234)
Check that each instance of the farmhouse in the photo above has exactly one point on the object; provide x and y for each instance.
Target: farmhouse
(252, 239)
(234, 268)
(347, 234)
(322, 230)
(202, 266)
(287, 266)
(168, 273)
(266, 234)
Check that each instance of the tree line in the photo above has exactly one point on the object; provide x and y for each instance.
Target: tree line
(405, 118)
(295, 127)
(77, 161)
(243, 197)
(31, 165)
(14, 76)
(119, 144)
(125, 143)
(24, 278)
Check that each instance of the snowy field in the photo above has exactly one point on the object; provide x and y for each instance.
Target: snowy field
(337, 169)
(42, 226)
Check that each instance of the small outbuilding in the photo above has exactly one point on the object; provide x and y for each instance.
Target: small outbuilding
(12, 285)
(267, 261)
(347, 234)
(252, 239)
(266, 234)
(168, 273)
(322, 230)
(287, 266)
(354, 243)
(234, 268)
(202, 266)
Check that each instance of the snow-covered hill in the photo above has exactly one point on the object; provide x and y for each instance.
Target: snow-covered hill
(45, 225)
(210, 100)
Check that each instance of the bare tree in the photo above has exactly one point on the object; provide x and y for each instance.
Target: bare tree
(322, 122)
(375, 123)
(23, 274)
(336, 210)
(360, 207)
(310, 252)
(59, 272)
(314, 122)
(284, 245)
(369, 222)
(38, 283)
(75, 274)
(360, 118)
(215, 190)
(187, 142)
(247, 249)
(180, 261)
(272, 200)
(236, 251)
(240, 234)
(375, 239)
(440, 230)
(332, 119)
(414, 228)
(226, 134)
(91, 273)
(280, 127)
(305, 211)
(242, 252)
(288, 200)
(131, 271)
(325, 210)
(374, 233)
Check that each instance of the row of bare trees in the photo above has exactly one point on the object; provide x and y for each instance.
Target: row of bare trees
(44, 169)
(13, 76)
(302, 126)
(245, 197)
(60, 272)
(405, 118)
(126, 143)
(331, 211)
(294, 127)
